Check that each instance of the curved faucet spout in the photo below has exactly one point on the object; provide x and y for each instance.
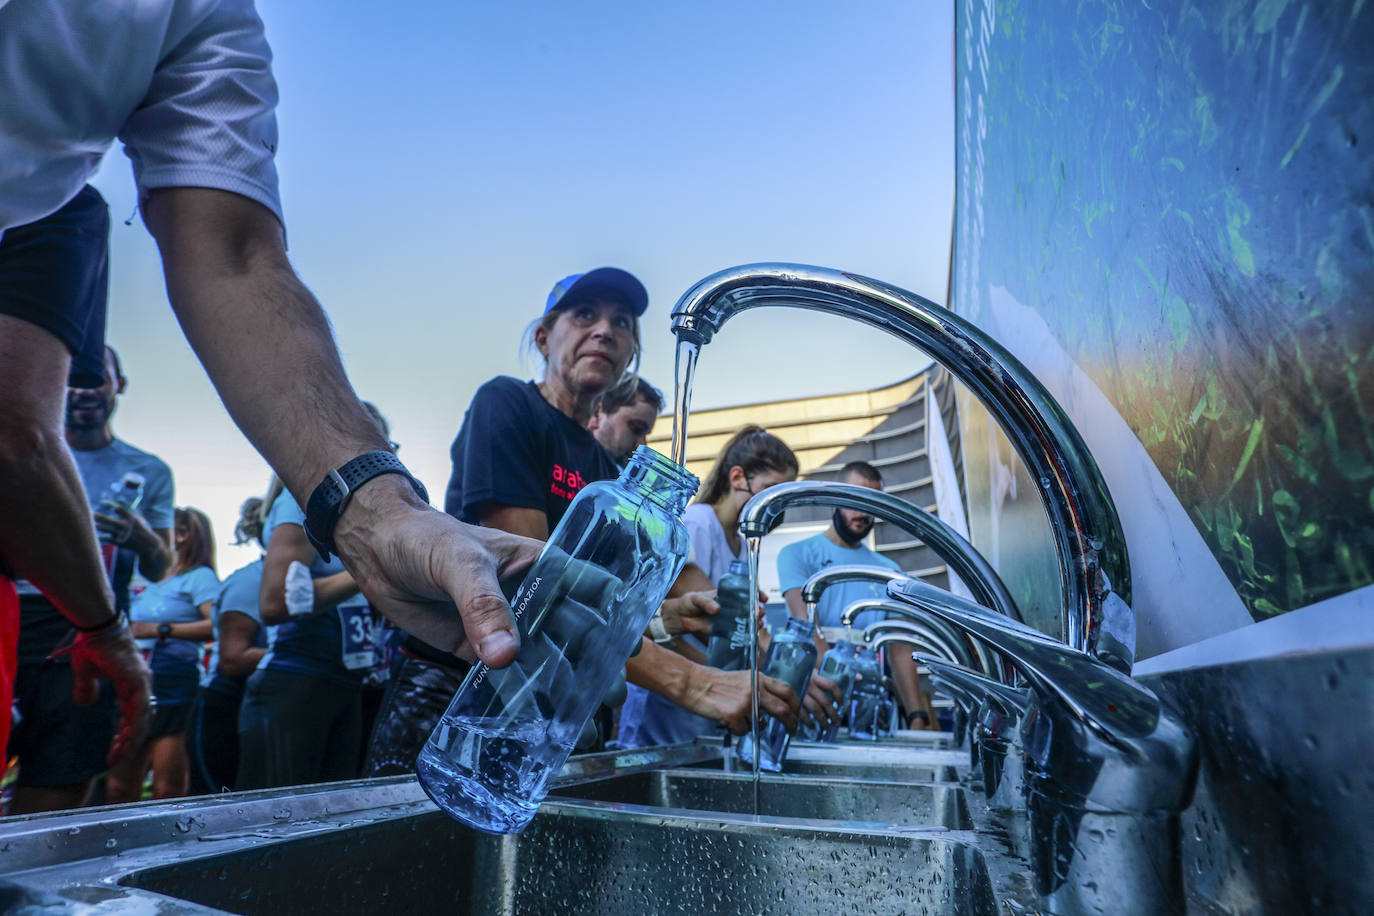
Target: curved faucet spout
(763, 512)
(926, 634)
(909, 639)
(969, 652)
(1094, 570)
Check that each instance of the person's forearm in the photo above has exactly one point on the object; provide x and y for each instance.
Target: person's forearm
(241, 664)
(263, 339)
(904, 676)
(661, 671)
(154, 555)
(331, 591)
(54, 547)
(199, 631)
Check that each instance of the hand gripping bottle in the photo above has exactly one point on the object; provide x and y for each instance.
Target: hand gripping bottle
(581, 612)
(791, 658)
(869, 697)
(836, 665)
(729, 646)
(850, 660)
(124, 493)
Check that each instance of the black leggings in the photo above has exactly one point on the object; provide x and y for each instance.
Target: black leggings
(213, 742)
(296, 729)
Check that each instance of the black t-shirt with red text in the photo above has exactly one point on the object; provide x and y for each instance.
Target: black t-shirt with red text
(516, 449)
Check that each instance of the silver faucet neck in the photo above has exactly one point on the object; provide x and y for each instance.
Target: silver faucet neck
(1089, 541)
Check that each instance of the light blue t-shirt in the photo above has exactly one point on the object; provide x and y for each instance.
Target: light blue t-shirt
(103, 467)
(238, 594)
(175, 600)
(800, 561)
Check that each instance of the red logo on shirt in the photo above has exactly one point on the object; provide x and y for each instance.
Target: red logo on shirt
(566, 482)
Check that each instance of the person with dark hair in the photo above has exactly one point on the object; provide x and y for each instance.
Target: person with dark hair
(171, 621)
(842, 544)
(521, 456)
(187, 86)
(625, 416)
(240, 641)
(750, 462)
(62, 746)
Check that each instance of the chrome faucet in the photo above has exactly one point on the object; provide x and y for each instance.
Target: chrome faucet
(1094, 570)
(997, 730)
(764, 511)
(1109, 769)
(968, 652)
(928, 636)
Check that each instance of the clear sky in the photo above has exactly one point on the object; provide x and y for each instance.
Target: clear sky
(443, 164)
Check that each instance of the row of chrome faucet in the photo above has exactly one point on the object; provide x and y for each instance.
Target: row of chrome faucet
(1098, 764)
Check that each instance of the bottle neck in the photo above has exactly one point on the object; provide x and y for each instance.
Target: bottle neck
(665, 482)
(802, 628)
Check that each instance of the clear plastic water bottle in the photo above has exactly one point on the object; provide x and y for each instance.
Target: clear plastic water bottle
(791, 659)
(729, 646)
(124, 493)
(837, 665)
(581, 611)
(868, 699)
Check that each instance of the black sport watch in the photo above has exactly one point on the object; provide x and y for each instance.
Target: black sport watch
(164, 630)
(328, 500)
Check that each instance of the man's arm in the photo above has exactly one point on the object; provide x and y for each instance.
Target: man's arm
(269, 350)
(54, 547)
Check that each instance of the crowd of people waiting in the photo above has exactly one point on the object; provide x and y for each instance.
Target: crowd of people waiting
(284, 673)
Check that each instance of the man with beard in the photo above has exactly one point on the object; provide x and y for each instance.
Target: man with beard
(842, 545)
(61, 746)
(624, 417)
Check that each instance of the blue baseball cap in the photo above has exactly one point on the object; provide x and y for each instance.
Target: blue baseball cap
(612, 279)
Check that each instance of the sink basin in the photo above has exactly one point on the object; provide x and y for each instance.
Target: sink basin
(589, 859)
(875, 801)
(875, 761)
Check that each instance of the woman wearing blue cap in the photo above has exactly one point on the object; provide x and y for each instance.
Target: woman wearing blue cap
(522, 454)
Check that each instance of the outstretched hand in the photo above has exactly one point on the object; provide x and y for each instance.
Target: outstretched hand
(723, 696)
(431, 574)
(112, 653)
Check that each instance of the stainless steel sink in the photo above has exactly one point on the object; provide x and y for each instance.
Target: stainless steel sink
(852, 800)
(590, 859)
(875, 761)
(637, 838)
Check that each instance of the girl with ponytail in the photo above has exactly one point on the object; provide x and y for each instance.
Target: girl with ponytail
(751, 461)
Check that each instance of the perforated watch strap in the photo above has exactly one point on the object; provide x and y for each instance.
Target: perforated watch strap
(328, 500)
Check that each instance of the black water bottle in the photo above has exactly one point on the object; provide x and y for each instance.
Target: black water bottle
(729, 646)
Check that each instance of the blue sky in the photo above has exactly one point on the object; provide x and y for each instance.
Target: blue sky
(442, 164)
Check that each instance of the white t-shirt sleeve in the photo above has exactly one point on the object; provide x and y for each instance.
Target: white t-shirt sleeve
(208, 119)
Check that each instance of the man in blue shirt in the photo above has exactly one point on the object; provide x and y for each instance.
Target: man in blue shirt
(61, 746)
(842, 545)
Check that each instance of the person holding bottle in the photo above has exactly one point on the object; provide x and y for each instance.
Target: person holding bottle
(522, 454)
(240, 642)
(750, 462)
(171, 621)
